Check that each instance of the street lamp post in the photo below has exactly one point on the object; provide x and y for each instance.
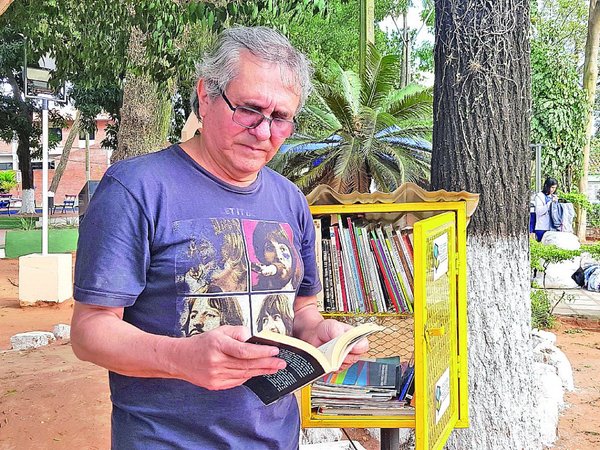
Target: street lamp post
(44, 277)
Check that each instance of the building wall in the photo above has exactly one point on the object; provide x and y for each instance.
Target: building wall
(74, 176)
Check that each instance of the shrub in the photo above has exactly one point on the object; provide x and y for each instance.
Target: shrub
(8, 180)
(541, 309)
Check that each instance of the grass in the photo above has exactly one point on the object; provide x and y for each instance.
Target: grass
(10, 223)
(19, 243)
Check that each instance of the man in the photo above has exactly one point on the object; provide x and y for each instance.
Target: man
(141, 235)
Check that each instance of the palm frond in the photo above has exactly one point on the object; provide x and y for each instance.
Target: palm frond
(412, 106)
(379, 77)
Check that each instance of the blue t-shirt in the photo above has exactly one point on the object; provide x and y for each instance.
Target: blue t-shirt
(184, 252)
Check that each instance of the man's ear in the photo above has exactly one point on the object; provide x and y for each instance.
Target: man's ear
(203, 98)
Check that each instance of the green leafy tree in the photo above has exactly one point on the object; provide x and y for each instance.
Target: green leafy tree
(559, 111)
(369, 131)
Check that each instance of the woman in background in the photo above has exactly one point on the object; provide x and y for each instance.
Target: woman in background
(542, 201)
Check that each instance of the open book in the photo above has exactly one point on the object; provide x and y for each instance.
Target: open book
(305, 363)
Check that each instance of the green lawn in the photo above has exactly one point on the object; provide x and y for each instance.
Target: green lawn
(19, 243)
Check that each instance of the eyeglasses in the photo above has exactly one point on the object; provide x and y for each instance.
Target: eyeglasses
(251, 118)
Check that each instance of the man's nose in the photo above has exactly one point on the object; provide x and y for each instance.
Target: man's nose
(262, 131)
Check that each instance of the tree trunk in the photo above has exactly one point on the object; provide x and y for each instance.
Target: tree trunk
(64, 157)
(590, 77)
(146, 110)
(23, 149)
(481, 144)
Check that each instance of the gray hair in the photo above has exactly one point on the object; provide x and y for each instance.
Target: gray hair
(221, 64)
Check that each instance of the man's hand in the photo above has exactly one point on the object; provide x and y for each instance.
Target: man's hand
(221, 359)
(329, 329)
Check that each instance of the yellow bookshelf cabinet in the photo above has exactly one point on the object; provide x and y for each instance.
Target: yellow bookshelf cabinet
(437, 331)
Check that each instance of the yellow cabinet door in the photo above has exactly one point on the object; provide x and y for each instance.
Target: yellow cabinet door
(436, 370)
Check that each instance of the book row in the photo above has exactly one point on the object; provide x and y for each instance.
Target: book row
(367, 388)
(364, 267)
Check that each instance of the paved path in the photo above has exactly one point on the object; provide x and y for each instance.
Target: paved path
(577, 302)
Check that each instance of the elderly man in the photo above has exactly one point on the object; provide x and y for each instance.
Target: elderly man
(143, 253)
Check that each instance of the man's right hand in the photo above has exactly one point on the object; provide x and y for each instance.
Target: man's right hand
(221, 359)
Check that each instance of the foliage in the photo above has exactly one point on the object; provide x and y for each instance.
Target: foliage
(593, 216)
(559, 108)
(369, 131)
(579, 200)
(541, 255)
(541, 309)
(27, 223)
(8, 180)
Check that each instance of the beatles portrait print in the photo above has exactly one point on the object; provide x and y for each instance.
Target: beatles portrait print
(235, 272)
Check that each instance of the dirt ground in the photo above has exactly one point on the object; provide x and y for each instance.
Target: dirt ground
(50, 400)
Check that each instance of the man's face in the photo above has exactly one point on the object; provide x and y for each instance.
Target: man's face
(203, 317)
(231, 152)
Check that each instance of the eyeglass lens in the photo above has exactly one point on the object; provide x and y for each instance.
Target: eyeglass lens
(251, 119)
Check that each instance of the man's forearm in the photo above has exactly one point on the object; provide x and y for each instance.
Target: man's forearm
(106, 340)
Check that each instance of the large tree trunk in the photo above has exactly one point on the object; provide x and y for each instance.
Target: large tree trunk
(590, 77)
(481, 144)
(146, 110)
(64, 157)
(23, 151)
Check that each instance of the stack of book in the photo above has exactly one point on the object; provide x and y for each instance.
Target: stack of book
(366, 267)
(366, 388)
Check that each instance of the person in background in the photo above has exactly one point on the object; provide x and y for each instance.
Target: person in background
(542, 202)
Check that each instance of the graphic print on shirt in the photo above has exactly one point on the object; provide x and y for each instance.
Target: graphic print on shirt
(273, 258)
(275, 312)
(212, 258)
(235, 272)
(202, 314)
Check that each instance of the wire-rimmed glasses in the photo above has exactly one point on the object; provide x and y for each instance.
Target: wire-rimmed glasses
(251, 118)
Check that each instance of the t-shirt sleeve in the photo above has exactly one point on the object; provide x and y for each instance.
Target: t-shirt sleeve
(311, 284)
(113, 251)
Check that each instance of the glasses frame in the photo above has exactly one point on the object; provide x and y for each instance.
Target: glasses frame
(263, 117)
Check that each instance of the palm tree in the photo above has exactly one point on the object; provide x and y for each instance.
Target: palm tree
(367, 131)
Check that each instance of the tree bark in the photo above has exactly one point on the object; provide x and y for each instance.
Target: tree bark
(146, 111)
(481, 144)
(590, 77)
(64, 157)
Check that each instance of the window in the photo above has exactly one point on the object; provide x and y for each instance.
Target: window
(55, 133)
(6, 166)
(38, 165)
(82, 135)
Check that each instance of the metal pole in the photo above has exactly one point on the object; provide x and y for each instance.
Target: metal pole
(390, 438)
(44, 177)
(538, 167)
(87, 156)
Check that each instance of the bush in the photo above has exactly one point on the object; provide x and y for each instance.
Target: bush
(541, 309)
(8, 180)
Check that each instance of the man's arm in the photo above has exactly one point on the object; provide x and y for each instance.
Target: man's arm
(217, 359)
(310, 326)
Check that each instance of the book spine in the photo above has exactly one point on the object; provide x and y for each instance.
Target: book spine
(396, 241)
(364, 253)
(337, 255)
(383, 273)
(328, 297)
(319, 261)
(408, 248)
(399, 268)
(361, 282)
(385, 256)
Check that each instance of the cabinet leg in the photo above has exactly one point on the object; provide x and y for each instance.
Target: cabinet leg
(390, 438)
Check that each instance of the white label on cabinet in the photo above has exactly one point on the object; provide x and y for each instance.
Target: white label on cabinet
(442, 395)
(440, 256)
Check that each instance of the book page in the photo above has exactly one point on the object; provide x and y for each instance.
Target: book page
(337, 349)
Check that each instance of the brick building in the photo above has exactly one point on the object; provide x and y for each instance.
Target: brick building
(74, 176)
